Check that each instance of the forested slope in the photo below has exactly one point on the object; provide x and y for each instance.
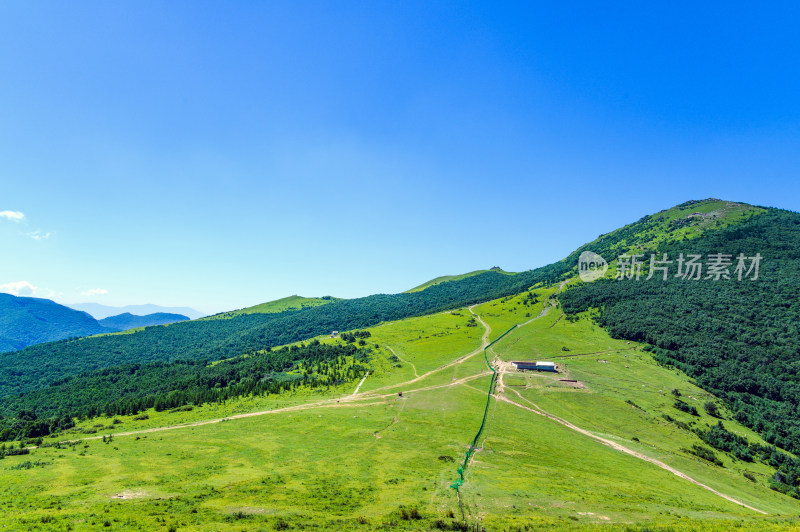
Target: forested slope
(131, 388)
(738, 339)
(38, 366)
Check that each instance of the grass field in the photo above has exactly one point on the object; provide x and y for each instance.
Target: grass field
(384, 459)
(278, 305)
(447, 278)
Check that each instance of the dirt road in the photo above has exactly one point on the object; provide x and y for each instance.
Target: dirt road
(622, 448)
(360, 383)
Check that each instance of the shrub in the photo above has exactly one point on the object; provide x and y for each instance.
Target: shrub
(711, 409)
(634, 405)
(705, 453)
(683, 407)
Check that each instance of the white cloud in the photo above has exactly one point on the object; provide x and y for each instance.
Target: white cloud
(95, 292)
(19, 288)
(38, 235)
(14, 216)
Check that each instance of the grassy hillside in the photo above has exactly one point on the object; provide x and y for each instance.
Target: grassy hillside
(385, 457)
(279, 305)
(448, 278)
(678, 225)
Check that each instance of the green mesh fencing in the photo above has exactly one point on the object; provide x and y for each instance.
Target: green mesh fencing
(463, 467)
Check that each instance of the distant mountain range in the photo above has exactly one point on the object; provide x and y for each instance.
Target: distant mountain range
(100, 312)
(27, 321)
(123, 322)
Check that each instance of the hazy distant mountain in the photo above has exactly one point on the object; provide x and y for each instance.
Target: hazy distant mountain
(26, 321)
(123, 322)
(104, 311)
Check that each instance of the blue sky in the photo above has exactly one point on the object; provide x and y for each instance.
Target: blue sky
(221, 154)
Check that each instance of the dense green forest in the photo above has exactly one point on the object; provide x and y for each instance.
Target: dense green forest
(38, 366)
(131, 388)
(738, 339)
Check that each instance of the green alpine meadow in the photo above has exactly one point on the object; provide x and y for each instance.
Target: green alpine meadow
(673, 404)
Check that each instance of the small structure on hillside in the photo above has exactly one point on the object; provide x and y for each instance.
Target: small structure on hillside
(334, 334)
(538, 365)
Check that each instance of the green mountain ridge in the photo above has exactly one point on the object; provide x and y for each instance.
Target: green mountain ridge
(126, 320)
(99, 312)
(293, 302)
(448, 278)
(681, 223)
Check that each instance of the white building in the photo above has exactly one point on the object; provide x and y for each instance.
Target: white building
(539, 365)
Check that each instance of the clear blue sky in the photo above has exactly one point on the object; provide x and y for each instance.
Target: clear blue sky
(221, 154)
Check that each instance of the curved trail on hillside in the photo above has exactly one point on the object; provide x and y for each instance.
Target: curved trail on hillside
(460, 360)
(404, 361)
(546, 307)
(622, 448)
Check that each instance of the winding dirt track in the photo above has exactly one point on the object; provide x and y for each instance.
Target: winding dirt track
(460, 360)
(416, 374)
(343, 402)
(622, 448)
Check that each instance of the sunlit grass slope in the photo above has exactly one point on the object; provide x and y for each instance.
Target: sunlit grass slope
(448, 278)
(279, 305)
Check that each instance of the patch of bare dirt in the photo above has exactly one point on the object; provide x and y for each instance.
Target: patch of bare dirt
(570, 383)
(129, 494)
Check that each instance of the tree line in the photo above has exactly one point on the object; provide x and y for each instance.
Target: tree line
(132, 388)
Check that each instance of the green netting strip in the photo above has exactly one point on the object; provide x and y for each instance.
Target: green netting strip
(463, 467)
